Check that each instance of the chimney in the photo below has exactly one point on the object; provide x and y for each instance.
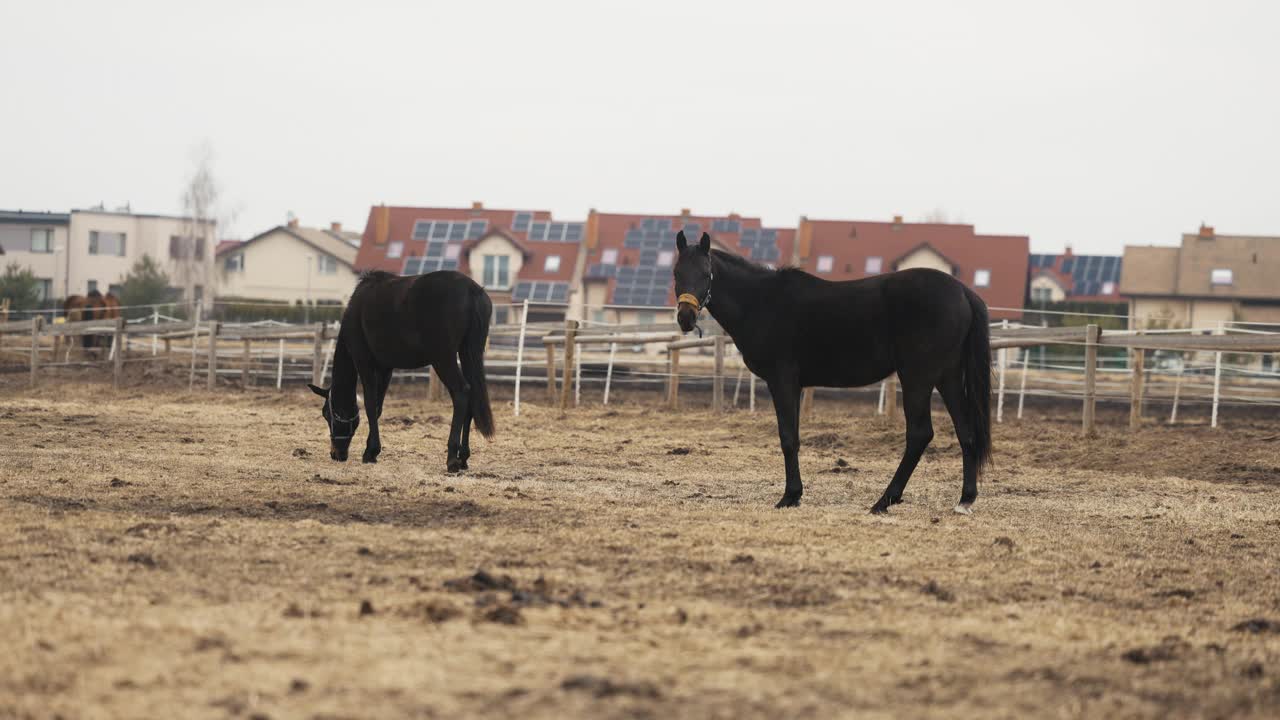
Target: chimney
(477, 205)
(684, 212)
(1206, 231)
(335, 226)
(293, 222)
(1067, 252)
(897, 219)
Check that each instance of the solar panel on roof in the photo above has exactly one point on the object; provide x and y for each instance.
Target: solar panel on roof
(421, 229)
(573, 232)
(538, 231)
(521, 221)
(458, 231)
(476, 228)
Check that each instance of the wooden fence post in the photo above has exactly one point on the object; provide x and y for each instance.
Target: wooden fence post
(117, 367)
(570, 353)
(551, 374)
(673, 379)
(891, 395)
(1090, 380)
(36, 323)
(317, 355)
(244, 371)
(717, 391)
(1137, 358)
(212, 381)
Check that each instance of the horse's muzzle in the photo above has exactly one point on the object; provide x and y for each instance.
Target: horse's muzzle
(686, 317)
(337, 453)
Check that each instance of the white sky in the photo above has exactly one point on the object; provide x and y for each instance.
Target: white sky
(1082, 123)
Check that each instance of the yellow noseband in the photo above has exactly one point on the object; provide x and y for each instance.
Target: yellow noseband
(691, 299)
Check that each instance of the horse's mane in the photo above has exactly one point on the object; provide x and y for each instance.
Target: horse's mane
(743, 263)
(370, 276)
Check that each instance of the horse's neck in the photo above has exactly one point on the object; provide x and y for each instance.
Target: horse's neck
(342, 394)
(734, 291)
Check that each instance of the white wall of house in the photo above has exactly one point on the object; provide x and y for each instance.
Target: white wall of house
(279, 266)
(496, 247)
(1042, 286)
(143, 235)
(45, 260)
(925, 258)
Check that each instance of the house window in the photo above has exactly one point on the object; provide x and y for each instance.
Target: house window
(646, 317)
(500, 316)
(874, 264)
(41, 240)
(825, 263)
(395, 249)
(106, 243)
(234, 263)
(496, 272)
(1042, 294)
(597, 317)
(1108, 287)
(326, 265)
(552, 264)
(982, 278)
(452, 251)
(180, 248)
(93, 286)
(199, 248)
(609, 257)
(115, 289)
(665, 257)
(1220, 276)
(44, 288)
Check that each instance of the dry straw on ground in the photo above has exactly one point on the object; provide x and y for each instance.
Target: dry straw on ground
(197, 555)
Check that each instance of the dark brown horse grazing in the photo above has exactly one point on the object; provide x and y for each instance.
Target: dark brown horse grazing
(94, 306)
(795, 330)
(395, 322)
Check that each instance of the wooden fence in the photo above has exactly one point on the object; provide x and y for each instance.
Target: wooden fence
(310, 349)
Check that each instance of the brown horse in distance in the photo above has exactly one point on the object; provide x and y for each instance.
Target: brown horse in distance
(94, 306)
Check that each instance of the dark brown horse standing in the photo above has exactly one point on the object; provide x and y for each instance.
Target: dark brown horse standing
(795, 331)
(394, 322)
(94, 306)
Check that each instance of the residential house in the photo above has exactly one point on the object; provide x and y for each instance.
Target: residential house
(995, 266)
(290, 263)
(95, 248)
(629, 259)
(37, 241)
(1206, 280)
(516, 255)
(1074, 278)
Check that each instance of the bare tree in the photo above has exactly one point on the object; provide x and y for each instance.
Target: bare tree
(199, 209)
(940, 216)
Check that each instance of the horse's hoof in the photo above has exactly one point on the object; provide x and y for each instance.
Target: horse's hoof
(368, 459)
(964, 508)
(462, 464)
(895, 500)
(453, 467)
(788, 501)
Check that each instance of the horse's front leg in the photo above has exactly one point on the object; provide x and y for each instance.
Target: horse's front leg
(785, 389)
(372, 410)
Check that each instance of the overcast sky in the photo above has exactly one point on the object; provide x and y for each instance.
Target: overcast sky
(1090, 124)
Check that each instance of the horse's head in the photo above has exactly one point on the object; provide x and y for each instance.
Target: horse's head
(341, 429)
(693, 279)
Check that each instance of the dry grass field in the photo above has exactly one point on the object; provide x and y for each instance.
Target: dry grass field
(169, 554)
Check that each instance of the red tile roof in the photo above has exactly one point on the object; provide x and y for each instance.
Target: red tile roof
(851, 243)
(387, 224)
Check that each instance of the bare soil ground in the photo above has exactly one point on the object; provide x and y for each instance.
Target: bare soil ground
(173, 554)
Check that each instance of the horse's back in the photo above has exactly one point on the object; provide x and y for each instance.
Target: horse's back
(414, 320)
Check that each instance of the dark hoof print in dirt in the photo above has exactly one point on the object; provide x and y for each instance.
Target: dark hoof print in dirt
(788, 501)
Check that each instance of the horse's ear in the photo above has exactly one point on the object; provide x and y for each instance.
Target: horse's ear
(705, 244)
(319, 391)
(681, 241)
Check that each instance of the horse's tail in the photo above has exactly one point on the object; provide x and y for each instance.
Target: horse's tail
(977, 378)
(472, 354)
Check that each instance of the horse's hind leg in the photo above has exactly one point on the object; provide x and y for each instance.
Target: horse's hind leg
(916, 397)
(952, 390)
(453, 380)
